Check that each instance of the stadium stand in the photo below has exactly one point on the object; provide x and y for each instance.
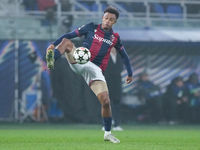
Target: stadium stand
(134, 14)
(174, 9)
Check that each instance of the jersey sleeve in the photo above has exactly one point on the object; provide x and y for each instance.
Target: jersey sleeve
(78, 32)
(120, 48)
(69, 35)
(84, 29)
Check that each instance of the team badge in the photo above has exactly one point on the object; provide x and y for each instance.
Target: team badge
(112, 37)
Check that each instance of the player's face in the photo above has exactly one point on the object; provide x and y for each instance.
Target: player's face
(108, 21)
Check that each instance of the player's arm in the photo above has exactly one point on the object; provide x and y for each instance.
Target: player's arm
(127, 64)
(78, 32)
(69, 35)
(119, 47)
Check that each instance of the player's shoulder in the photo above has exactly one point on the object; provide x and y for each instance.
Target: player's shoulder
(91, 24)
(86, 26)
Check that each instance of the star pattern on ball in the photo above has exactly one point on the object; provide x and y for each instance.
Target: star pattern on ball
(81, 55)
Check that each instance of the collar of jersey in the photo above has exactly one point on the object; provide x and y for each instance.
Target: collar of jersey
(110, 31)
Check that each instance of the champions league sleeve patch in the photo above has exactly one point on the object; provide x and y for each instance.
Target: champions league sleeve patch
(81, 27)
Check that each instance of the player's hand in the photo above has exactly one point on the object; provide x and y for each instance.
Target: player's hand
(51, 47)
(128, 80)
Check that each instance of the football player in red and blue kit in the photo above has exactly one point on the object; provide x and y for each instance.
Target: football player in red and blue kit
(99, 39)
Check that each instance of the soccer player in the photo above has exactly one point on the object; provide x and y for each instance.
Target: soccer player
(99, 39)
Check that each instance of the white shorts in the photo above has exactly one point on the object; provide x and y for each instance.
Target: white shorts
(89, 71)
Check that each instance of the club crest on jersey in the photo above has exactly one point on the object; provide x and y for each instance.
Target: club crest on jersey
(97, 37)
(112, 37)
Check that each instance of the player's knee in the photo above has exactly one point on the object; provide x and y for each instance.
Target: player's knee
(105, 101)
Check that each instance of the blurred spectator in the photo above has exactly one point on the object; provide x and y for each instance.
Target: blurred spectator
(150, 94)
(50, 15)
(68, 20)
(193, 87)
(113, 78)
(43, 84)
(176, 103)
(45, 4)
(49, 18)
(65, 5)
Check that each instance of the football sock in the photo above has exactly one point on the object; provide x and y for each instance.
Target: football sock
(56, 54)
(107, 123)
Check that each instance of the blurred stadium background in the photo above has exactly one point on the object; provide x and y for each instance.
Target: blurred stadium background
(162, 37)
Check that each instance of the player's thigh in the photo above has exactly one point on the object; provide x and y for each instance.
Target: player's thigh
(98, 87)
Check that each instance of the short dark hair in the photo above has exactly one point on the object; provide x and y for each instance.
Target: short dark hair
(112, 10)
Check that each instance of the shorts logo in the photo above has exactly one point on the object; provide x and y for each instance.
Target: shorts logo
(97, 37)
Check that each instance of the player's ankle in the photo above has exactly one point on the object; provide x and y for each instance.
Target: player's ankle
(57, 54)
(107, 132)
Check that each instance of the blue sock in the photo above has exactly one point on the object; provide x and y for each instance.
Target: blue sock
(56, 54)
(107, 122)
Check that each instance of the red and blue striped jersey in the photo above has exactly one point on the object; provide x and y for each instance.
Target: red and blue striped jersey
(99, 42)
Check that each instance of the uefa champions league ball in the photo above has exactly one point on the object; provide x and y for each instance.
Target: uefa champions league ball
(81, 55)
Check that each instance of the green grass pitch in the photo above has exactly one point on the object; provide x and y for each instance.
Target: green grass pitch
(90, 137)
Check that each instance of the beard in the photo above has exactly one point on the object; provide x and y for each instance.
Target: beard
(106, 27)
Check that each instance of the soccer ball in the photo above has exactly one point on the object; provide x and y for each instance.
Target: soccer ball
(81, 55)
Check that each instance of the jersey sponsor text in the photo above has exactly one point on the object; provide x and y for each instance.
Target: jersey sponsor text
(96, 36)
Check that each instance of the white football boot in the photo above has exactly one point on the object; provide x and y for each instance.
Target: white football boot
(111, 138)
(50, 59)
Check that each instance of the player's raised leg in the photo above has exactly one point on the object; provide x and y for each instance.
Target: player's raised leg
(51, 56)
(101, 90)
